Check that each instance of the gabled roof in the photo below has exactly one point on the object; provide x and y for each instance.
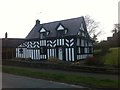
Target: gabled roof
(72, 25)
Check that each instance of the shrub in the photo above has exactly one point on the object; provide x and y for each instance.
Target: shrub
(53, 59)
(28, 59)
(91, 60)
(75, 63)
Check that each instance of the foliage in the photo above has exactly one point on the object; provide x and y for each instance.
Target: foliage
(53, 59)
(91, 60)
(116, 28)
(92, 27)
(111, 58)
(75, 63)
(58, 66)
(103, 46)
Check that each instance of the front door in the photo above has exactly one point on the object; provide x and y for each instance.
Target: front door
(60, 53)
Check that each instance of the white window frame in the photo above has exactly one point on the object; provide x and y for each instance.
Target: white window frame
(42, 30)
(60, 27)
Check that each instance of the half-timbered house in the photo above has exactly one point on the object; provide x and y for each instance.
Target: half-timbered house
(66, 40)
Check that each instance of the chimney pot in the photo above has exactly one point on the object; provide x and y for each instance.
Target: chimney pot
(6, 35)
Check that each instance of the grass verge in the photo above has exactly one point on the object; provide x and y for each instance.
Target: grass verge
(61, 77)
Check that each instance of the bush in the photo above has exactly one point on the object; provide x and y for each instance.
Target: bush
(53, 59)
(91, 60)
(28, 59)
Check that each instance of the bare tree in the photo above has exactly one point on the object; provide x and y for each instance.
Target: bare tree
(92, 27)
(116, 28)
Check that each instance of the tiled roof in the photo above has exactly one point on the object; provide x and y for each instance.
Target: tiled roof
(72, 25)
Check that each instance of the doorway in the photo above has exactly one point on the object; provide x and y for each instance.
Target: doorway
(60, 53)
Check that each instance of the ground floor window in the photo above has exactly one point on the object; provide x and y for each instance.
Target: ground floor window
(82, 50)
(43, 50)
(21, 51)
(90, 50)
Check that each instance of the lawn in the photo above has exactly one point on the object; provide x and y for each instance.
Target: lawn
(63, 77)
(111, 58)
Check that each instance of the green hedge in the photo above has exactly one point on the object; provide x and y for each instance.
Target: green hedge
(59, 66)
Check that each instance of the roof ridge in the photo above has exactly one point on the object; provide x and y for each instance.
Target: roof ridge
(13, 38)
(61, 20)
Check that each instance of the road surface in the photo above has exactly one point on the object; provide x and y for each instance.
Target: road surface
(14, 81)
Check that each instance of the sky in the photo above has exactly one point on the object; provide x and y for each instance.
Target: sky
(17, 17)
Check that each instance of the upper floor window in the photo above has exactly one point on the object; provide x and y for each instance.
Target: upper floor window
(42, 33)
(90, 50)
(60, 27)
(61, 31)
(42, 30)
(82, 50)
(78, 41)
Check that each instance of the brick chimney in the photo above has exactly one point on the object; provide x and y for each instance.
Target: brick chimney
(37, 22)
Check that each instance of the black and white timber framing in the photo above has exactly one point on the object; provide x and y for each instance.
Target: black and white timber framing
(66, 40)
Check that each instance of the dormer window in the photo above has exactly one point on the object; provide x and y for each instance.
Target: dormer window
(42, 33)
(42, 30)
(60, 27)
(61, 30)
(81, 27)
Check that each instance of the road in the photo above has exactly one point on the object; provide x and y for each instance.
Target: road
(14, 81)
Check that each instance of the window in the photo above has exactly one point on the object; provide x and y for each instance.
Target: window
(42, 35)
(86, 50)
(60, 27)
(86, 43)
(78, 41)
(61, 31)
(82, 42)
(90, 44)
(78, 50)
(82, 50)
(90, 50)
(21, 51)
(43, 50)
(42, 30)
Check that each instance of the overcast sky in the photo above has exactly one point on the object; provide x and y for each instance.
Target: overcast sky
(17, 17)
